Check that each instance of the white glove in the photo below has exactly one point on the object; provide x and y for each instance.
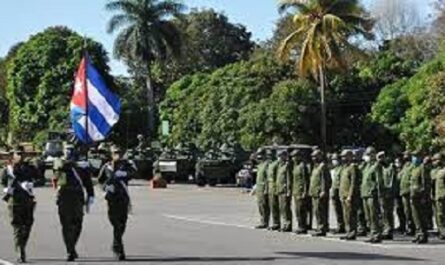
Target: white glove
(109, 188)
(26, 185)
(9, 191)
(120, 174)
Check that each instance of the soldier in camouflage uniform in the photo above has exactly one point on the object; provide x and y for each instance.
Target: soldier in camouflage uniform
(114, 176)
(420, 184)
(335, 193)
(404, 176)
(320, 184)
(261, 190)
(349, 193)
(437, 166)
(273, 195)
(439, 199)
(284, 191)
(71, 179)
(372, 175)
(386, 196)
(300, 190)
(18, 183)
(398, 164)
(362, 224)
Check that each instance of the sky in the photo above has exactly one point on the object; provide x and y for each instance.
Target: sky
(21, 18)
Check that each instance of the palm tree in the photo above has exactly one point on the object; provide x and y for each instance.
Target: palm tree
(146, 34)
(322, 34)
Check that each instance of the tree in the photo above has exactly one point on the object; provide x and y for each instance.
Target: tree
(324, 28)
(40, 80)
(146, 34)
(209, 41)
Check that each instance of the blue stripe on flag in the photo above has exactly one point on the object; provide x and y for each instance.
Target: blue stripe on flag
(98, 82)
(98, 120)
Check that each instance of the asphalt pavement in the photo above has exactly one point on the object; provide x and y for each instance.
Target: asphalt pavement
(184, 224)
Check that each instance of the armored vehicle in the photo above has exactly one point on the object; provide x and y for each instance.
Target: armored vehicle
(177, 165)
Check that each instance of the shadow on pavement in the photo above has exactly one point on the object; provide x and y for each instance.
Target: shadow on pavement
(348, 256)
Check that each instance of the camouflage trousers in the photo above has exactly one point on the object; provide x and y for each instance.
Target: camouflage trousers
(118, 216)
(71, 219)
(350, 216)
(320, 207)
(338, 210)
(263, 208)
(371, 206)
(22, 219)
(285, 202)
(387, 206)
(302, 212)
(420, 215)
(440, 213)
(410, 227)
(274, 207)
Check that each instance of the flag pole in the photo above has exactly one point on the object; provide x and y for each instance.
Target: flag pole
(85, 85)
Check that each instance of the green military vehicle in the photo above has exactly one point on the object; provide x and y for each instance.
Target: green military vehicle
(143, 160)
(220, 166)
(177, 165)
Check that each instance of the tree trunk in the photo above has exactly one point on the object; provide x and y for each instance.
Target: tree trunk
(323, 111)
(151, 105)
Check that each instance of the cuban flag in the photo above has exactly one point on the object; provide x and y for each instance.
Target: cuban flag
(94, 108)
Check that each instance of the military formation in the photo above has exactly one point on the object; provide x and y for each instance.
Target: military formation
(75, 196)
(366, 191)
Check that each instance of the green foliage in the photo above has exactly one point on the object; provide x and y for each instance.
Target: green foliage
(40, 80)
(413, 108)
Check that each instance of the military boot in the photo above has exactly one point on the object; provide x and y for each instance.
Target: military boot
(21, 255)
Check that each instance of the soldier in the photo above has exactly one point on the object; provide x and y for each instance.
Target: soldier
(437, 166)
(372, 174)
(273, 195)
(362, 224)
(300, 190)
(335, 194)
(71, 179)
(386, 197)
(419, 182)
(114, 176)
(284, 191)
(404, 176)
(16, 177)
(439, 198)
(428, 165)
(400, 211)
(261, 190)
(349, 193)
(141, 143)
(320, 184)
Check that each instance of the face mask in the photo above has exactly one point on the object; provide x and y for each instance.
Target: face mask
(335, 162)
(366, 158)
(415, 160)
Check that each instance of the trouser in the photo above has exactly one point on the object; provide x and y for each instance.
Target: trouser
(263, 208)
(408, 213)
(118, 216)
(371, 206)
(400, 211)
(320, 207)
(350, 216)
(284, 202)
(302, 210)
(22, 219)
(387, 206)
(71, 219)
(338, 209)
(274, 210)
(420, 216)
(440, 212)
(429, 213)
(362, 223)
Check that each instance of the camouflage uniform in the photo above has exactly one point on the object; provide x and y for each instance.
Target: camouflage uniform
(71, 180)
(405, 175)
(349, 194)
(273, 195)
(386, 197)
(440, 202)
(262, 194)
(336, 199)
(420, 182)
(283, 188)
(21, 203)
(300, 192)
(114, 176)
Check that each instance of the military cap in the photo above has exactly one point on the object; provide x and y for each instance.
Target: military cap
(115, 149)
(316, 153)
(370, 150)
(346, 152)
(295, 152)
(380, 154)
(437, 157)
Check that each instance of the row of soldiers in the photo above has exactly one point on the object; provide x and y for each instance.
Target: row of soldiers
(75, 196)
(365, 191)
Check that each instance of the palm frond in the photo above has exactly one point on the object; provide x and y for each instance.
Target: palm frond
(168, 8)
(289, 43)
(119, 21)
(300, 5)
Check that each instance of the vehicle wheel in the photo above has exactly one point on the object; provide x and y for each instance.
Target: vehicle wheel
(212, 182)
(200, 180)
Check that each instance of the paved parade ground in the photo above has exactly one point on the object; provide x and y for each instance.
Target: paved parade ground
(185, 224)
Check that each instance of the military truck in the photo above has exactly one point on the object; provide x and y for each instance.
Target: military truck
(177, 165)
(219, 166)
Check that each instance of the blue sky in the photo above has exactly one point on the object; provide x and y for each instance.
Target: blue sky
(21, 18)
